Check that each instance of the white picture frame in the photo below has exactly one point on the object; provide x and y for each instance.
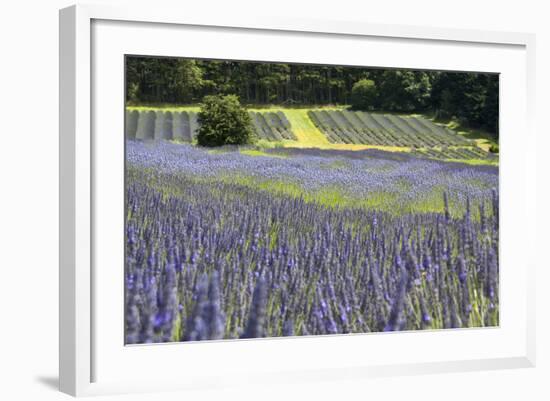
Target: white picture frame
(83, 211)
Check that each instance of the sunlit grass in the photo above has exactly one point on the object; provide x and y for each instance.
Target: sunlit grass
(309, 136)
(171, 107)
(473, 162)
(256, 152)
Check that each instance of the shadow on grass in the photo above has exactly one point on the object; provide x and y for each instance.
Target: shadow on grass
(465, 131)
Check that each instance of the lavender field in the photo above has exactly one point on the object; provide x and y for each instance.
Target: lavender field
(232, 243)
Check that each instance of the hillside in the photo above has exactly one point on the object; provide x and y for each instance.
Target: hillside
(324, 128)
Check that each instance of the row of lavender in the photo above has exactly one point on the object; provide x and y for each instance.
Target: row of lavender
(454, 153)
(149, 124)
(182, 126)
(399, 179)
(343, 126)
(272, 126)
(211, 259)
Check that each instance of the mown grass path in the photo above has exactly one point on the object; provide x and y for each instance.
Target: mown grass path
(308, 135)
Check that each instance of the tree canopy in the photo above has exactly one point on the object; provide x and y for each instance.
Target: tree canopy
(223, 121)
(364, 95)
(470, 97)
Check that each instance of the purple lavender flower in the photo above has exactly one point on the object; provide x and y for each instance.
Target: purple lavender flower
(395, 321)
(214, 314)
(200, 243)
(255, 327)
(288, 328)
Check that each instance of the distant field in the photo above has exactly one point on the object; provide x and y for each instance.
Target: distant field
(324, 128)
(456, 153)
(342, 126)
(182, 125)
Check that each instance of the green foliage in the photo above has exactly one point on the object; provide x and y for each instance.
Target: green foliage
(133, 92)
(169, 80)
(472, 99)
(363, 95)
(223, 121)
(401, 90)
(493, 148)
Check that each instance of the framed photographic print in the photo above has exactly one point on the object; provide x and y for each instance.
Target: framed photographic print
(279, 200)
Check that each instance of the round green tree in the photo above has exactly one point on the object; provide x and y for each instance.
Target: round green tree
(223, 121)
(363, 94)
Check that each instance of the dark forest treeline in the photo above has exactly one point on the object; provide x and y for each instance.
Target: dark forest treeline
(470, 97)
